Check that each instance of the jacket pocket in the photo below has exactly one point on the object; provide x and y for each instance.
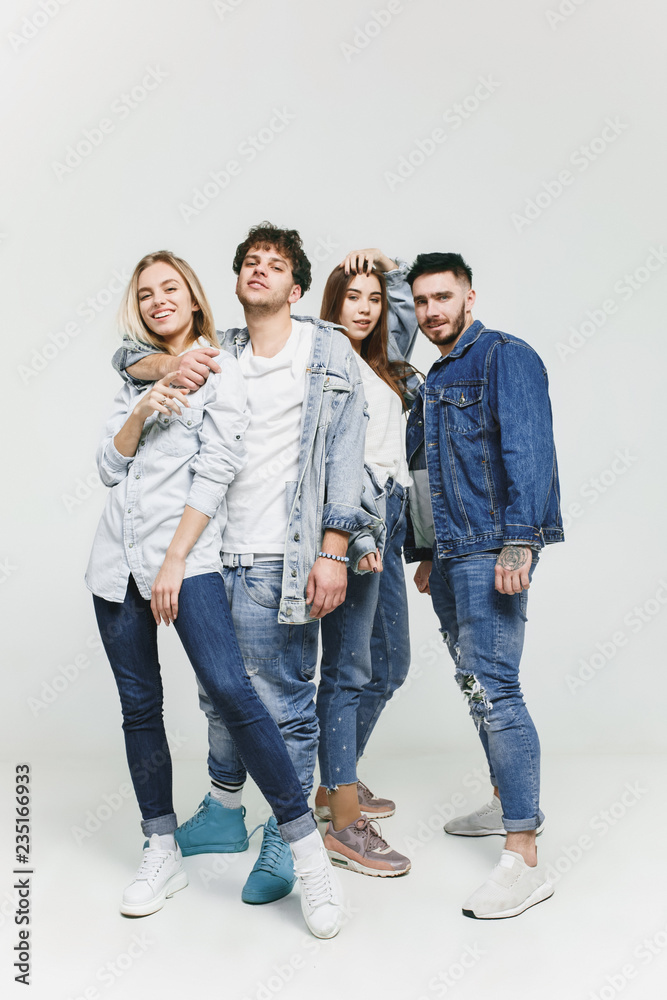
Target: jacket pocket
(462, 407)
(179, 433)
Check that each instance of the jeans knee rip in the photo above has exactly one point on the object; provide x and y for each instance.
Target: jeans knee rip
(479, 705)
(453, 647)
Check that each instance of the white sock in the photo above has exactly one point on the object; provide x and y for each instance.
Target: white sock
(230, 800)
(306, 845)
(167, 842)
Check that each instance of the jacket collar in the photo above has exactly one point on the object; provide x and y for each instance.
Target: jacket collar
(467, 340)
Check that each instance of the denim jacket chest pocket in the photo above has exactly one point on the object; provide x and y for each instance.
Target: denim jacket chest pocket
(178, 434)
(335, 390)
(462, 407)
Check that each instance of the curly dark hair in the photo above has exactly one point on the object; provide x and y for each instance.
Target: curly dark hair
(286, 241)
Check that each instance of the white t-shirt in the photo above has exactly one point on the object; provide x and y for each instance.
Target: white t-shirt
(385, 433)
(257, 499)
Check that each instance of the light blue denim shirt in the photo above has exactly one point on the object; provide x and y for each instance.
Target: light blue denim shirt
(328, 492)
(481, 425)
(187, 458)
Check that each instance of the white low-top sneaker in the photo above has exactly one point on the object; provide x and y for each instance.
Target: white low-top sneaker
(483, 822)
(159, 876)
(321, 896)
(510, 889)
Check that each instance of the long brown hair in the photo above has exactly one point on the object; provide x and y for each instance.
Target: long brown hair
(374, 346)
(131, 321)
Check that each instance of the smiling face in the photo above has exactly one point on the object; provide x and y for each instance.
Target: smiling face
(166, 304)
(443, 305)
(361, 308)
(265, 284)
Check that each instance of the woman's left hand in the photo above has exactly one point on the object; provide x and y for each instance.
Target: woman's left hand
(364, 261)
(371, 561)
(166, 588)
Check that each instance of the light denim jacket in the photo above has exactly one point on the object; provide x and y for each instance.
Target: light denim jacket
(187, 458)
(328, 493)
(481, 425)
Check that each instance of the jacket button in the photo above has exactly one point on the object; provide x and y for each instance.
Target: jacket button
(419, 423)
(297, 536)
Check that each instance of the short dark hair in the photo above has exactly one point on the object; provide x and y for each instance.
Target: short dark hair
(434, 263)
(286, 241)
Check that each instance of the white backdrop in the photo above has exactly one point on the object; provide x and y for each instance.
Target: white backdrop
(526, 135)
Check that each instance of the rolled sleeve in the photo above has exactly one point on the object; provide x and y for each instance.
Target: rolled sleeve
(111, 465)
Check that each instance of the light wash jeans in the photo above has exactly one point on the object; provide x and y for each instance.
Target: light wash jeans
(280, 661)
(365, 653)
(204, 626)
(484, 631)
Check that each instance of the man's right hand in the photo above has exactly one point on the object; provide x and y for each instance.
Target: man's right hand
(194, 367)
(422, 576)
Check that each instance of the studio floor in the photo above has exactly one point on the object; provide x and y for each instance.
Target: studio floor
(602, 934)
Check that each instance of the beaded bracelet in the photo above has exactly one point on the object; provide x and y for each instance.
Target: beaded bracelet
(328, 555)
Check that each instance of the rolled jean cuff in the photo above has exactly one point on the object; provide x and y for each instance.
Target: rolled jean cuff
(523, 825)
(160, 824)
(297, 828)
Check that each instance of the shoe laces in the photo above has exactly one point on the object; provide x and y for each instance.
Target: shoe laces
(151, 863)
(272, 850)
(365, 790)
(197, 818)
(374, 838)
(316, 885)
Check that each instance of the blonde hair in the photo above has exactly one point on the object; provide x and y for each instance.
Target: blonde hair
(131, 321)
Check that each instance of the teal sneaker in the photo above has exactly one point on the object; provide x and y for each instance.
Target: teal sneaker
(272, 876)
(213, 829)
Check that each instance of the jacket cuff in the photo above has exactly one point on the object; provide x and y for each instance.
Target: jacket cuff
(342, 517)
(412, 555)
(397, 274)
(523, 534)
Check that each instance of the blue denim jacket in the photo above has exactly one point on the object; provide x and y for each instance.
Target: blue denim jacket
(331, 456)
(481, 426)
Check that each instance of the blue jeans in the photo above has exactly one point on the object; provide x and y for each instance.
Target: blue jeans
(204, 626)
(280, 661)
(365, 654)
(484, 631)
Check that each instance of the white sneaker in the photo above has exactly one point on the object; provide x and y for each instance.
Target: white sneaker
(510, 889)
(483, 822)
(159, 876)
(321, 896)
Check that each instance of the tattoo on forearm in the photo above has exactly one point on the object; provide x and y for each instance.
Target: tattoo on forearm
(513, 557)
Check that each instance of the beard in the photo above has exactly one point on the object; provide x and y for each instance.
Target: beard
(266, 306)
(451, 333)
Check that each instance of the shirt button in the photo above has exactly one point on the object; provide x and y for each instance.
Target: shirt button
(238, 437)
(189, 423)
(131, 545)
(297, 536)
(129, 510)
(138, 476)
(288, 612)
(293, 572)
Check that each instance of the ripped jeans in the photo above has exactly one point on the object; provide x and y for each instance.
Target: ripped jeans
(484, 631)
